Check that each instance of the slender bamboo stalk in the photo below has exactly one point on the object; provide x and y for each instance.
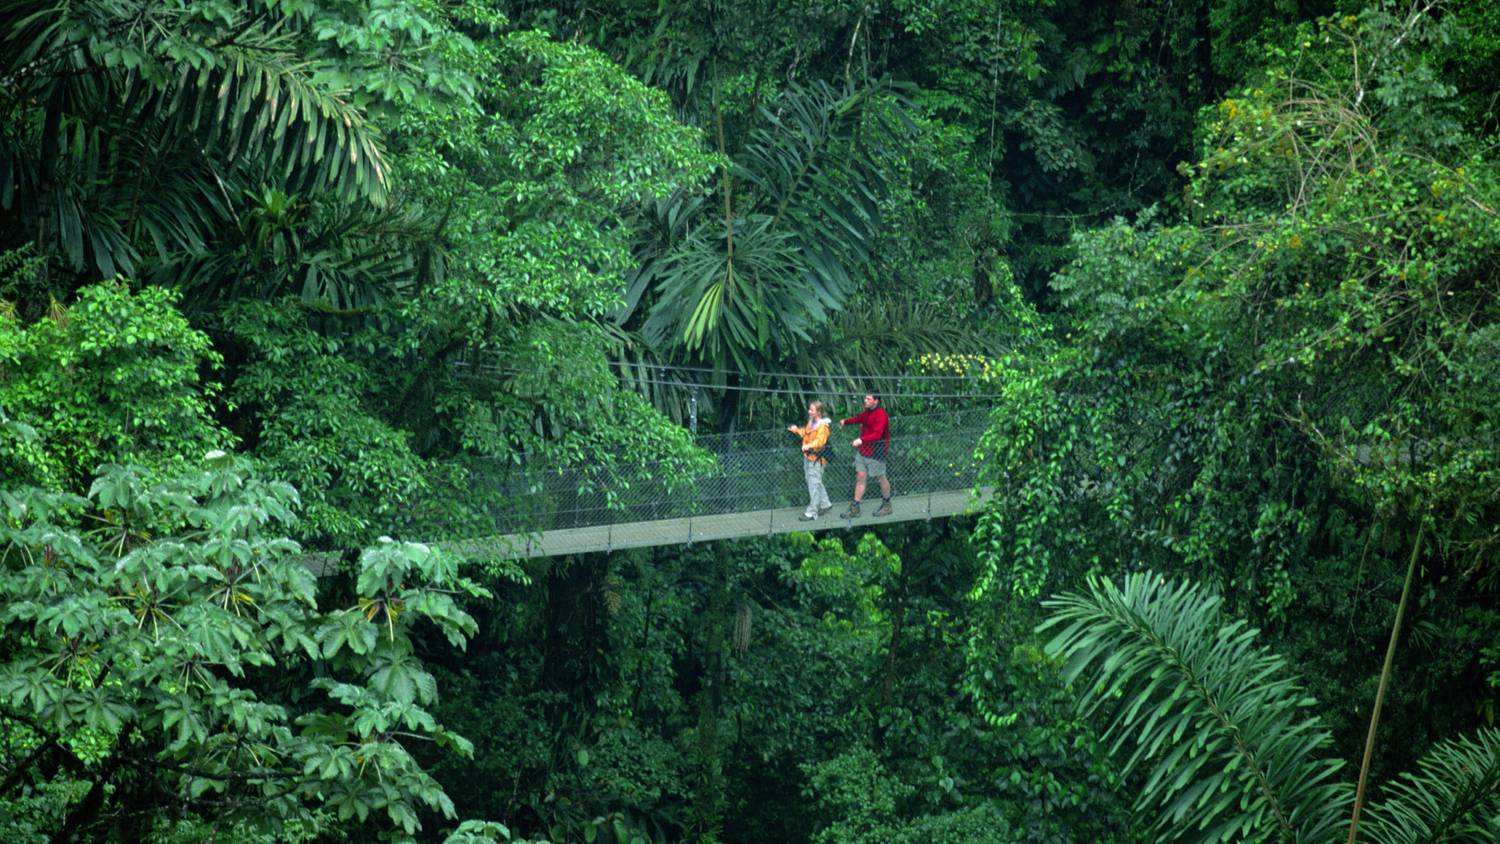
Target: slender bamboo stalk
(1385, 677)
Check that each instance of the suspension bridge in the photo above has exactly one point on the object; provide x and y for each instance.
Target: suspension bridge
(753, 486)
(750, 484)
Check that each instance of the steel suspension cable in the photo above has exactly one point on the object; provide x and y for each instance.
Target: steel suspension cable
(797, 375)
(789, 391)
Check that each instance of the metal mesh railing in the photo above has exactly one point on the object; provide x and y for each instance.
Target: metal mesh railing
(751, 471)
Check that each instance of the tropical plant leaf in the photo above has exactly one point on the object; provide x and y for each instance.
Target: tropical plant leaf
(1214, 725)
(756, 279)
(1454, 796)
(155, 113)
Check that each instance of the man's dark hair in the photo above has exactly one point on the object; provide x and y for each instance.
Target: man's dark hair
(874, 395)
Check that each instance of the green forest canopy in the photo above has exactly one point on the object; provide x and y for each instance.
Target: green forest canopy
(1225, 274)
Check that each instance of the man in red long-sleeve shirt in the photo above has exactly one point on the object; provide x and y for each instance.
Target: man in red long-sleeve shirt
(872, 444)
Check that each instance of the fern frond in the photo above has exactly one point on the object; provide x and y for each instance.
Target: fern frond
(1454, 796)
(1214, 724)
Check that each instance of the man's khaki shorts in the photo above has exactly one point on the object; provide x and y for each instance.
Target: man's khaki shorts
(870, 466)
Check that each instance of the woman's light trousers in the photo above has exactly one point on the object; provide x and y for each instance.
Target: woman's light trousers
(817, 495)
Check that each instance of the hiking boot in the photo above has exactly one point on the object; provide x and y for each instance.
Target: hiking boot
(884, 509)
(824, 509)
(853, 511)
(806, 518)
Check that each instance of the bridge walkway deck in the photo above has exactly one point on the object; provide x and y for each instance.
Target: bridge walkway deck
(708, 528)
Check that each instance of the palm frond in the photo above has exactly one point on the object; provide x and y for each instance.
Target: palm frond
(261, 102)
(1214, 724)
(815, 163)
(1454, 796)
(642, 369)
(664, 222)
(723, 306)
(111, 87)
(332, 256)
(802, 228)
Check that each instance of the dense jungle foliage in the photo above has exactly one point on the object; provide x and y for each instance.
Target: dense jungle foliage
(289, 289)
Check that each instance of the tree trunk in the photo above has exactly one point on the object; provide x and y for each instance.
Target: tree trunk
(1203, 33)
(708, 799)
(87, 810)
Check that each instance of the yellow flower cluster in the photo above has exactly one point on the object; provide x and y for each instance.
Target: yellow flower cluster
(977, 367)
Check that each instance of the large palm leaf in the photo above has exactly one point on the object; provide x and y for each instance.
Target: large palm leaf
(1215, 728)
(330, 255)
(749, 274)
(815, 163)
(750, 300)
(1454, 796)
(99, 91)
(237, 81)
(1215, 725)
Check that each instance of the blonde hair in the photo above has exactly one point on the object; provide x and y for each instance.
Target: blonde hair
(820, 408)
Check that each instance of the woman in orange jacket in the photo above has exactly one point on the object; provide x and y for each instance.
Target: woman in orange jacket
(814, 443)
